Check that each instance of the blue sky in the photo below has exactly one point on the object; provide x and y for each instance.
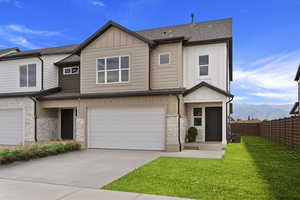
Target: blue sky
(266, 33)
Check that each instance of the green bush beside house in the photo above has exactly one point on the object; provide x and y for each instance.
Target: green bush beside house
(32, 151)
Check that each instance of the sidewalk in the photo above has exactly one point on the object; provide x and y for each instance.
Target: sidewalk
(21, 190)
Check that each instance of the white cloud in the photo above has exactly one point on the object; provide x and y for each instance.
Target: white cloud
(15, 3)
(270, 77)
(23, 42)
(16, 39)
(240, 98)
(277, 95)
(274, 72)
(24, 29)
(97, 3)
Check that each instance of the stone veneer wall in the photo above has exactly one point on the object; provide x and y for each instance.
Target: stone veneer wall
(47, 129)
(27, 105)
(80, 132)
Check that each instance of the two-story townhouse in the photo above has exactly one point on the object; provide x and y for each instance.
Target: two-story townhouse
(25, 75)
(129, 89)
(295, 108)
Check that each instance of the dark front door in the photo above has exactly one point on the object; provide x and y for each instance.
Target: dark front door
(213, 124)
(67, 124)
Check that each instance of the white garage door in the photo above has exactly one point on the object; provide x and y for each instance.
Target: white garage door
(11, 126)
(126, 128)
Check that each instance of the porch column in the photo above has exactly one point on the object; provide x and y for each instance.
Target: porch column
(224, 121)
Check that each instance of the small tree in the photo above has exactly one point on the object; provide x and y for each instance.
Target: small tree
(191, 134)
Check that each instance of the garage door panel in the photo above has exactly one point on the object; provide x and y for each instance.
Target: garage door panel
(11, 126)
(127, 128)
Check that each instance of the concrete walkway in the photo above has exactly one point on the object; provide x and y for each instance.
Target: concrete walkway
(23, 190)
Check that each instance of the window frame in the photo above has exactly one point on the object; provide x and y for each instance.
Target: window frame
(164, 53)
(71, 73)
(197, 117)
(27, 75)
(110, 70)
(199, 66)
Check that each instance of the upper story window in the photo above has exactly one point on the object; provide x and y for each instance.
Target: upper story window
(28, 75)
(197, 116)
(70, 70)
(113, 69)
(203, 65)
(164, 58)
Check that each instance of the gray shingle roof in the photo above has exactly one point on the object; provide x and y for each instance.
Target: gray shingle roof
(202, 31)
(46, 51)
(4, 51)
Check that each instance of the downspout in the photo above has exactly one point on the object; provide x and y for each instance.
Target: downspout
(42, 72)
(231, 98)
(149, 75)
(178, 113)
(35, 118)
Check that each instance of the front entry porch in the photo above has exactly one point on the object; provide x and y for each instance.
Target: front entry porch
(210, 121)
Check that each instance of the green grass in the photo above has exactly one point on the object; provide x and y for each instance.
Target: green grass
(253, 169)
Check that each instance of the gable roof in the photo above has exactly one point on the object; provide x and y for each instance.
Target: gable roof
(193, 32)
(205, 84)
(294, 108)
(107, 26)
(69, 60)
(297, 74)
(36, 52)
(5, 51)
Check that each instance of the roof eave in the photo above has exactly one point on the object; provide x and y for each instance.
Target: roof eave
(205, 84)
(119, 94)
(12, 57)
(297, 74)
(293, 110)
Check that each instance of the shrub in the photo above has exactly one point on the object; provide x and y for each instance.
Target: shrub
(27, 152)
(191, 134)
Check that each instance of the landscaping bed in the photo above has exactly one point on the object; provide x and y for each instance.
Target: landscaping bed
(36, 150)
(255, 169)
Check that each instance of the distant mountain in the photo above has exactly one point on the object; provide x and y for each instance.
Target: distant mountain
(261, 111)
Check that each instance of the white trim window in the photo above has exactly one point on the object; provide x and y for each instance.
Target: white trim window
(71, 70)
(112, 70)
(203, 65)
(197, 116)
(164, 58)
(27, 75)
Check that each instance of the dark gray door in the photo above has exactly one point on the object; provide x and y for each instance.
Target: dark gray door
(213, 124)
(67, 124)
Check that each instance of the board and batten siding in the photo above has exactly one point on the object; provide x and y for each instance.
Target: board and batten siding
(69, 83)
(218, 65)
(167, 75)
(115, 42)
(10, 76)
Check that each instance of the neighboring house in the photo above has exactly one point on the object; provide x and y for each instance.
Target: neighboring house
(295, 109)
(122, 89)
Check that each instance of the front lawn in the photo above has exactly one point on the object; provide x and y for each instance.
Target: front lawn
(253, 169)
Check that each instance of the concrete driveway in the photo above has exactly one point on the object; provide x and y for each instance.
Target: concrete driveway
(92, 168)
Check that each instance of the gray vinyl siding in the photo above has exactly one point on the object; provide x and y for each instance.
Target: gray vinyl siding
(69, 83)
(167, 75)
(115, 42)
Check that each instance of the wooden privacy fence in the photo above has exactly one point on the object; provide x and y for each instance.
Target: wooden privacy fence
(245, 129)
(282, 131)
